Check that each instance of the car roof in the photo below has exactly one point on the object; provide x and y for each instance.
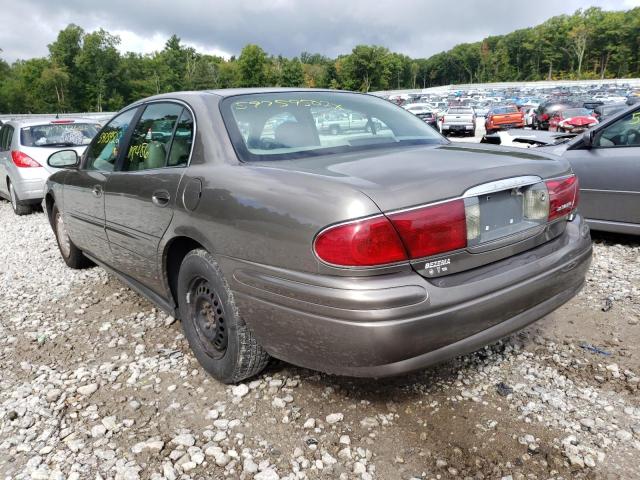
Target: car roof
(231, 92)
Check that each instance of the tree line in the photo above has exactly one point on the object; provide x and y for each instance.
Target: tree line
(85, 71)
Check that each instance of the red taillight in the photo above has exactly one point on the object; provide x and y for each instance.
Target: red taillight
(433, 229)
(362, 243)
(23, 160)
(563, 196)
(544, 117)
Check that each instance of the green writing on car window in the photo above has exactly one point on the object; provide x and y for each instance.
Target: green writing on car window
(140, 151)
(108, 137)
(635, 118)
(300, 102)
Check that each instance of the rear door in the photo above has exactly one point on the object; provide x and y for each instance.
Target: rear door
(6, 133)
(609, 172)
(83, 197)
(141, 195)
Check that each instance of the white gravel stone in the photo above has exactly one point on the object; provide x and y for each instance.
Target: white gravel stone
(88, 389)
(334, 418)
(240, 390)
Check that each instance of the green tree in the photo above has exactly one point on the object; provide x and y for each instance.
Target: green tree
(252, 65)
(292, 73)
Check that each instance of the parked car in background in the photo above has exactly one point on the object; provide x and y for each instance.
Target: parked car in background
(369, 254)
(25, 146)
(604, 112)
(572, 120)
(592, 104)
(529, 114)
(546, 110)
(423, 111)
(503, 118)
(340, 122)
(606, 159)
(460, 120)
(481, 110)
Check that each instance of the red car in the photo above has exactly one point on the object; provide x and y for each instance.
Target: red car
(503, 118)
(572, 120)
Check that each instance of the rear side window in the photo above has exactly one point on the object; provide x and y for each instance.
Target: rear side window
(182, 141)
(103, 152)
(58, 135)
(6, 134)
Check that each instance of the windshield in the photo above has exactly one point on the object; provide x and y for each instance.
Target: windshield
(298, 124)
(58, 135)
(576, 112)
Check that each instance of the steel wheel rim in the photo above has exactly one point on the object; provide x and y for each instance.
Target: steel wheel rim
(63, 238)
(208, 317)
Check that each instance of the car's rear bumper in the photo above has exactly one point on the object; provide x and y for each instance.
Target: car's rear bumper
(390, 324)
(505, 126)
(29, 183)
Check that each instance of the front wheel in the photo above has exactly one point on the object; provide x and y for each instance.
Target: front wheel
(71, 254)
(223, 344)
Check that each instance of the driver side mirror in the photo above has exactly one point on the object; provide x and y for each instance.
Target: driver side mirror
(64, 159)
(587, 139)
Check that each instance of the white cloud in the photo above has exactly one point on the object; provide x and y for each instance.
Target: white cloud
(417, 28)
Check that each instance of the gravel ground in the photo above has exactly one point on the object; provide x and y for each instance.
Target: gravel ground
(97, 383)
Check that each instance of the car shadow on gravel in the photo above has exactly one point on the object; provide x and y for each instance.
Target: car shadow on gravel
(430, 380)
(615, 238)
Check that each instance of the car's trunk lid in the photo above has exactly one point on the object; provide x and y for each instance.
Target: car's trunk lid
(42, 154)
(404, 178)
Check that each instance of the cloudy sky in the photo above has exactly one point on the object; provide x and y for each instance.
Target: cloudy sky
(417, 28)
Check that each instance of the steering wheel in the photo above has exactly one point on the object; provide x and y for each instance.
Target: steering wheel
(631, 137)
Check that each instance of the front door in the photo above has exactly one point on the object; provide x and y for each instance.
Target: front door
(140, 196)
(609, 172)
(83, 197)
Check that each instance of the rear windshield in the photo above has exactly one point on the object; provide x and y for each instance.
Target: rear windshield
(58, 135)
(504, 110)
(299, 124)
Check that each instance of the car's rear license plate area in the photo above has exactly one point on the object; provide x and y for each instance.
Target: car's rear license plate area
(496, 215)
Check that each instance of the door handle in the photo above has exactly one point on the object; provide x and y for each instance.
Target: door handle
(97, 191)
(160, 198)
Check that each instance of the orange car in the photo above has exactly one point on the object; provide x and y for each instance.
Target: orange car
(503, 118)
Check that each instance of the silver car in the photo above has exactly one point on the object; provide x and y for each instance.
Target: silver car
(25, 146)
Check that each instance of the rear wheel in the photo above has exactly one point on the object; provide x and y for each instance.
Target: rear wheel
(19, 207)
(71, 254)
(223, 344)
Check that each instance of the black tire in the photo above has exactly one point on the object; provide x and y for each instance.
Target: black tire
(223, 344)
(19, 207)
(71, 254)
